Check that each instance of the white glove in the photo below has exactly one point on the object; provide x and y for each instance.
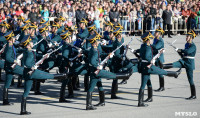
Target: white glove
(50, 45)
(71, 64)
(18, 61)
(17, 42)
(132, 50)
(153, 62)
(103, 42)
(100, 67)
(79, 50)
(176, 49)
(123, 58)
(111, 55)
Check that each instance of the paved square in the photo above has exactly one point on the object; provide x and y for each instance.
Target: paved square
(167, 104)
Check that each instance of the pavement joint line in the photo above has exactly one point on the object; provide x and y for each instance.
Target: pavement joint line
(96, 95)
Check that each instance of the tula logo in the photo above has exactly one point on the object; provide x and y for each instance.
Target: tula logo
(186, 114)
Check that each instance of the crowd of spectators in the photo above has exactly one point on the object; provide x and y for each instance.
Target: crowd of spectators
(135, 16)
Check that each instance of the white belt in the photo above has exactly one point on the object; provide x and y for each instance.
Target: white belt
(145, 61)
(39, 52)
(188, 57)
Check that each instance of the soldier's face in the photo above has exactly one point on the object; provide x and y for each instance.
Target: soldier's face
(188, 38)
(13, 40)
(31, 44)
(119, 37)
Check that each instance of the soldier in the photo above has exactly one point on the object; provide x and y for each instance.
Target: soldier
(24, 31)
(10, 59)
(187, 61)
(94, 61)
(75, 67)
(119, 61)
(83, 32)
(4, 28)
(158, 44)
(30, 72)
(146, 67)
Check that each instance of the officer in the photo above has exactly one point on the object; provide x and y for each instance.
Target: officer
(74, 66)
(4, 28)
(24, 31)
(30, 72)
(120, 63)
(158, 44)
(10, 59)
(146, 56)
(82, 33)
(108, 29)
(94, 61)
(187, 61)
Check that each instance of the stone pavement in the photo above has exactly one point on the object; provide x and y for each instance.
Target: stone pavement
(167, 104)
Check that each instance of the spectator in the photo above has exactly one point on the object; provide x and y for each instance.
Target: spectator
(33, 15)
(45, 13)
(167, 15)
(19, 11)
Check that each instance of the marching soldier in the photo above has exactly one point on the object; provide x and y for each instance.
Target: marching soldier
(10, 59)
(119, 61)
(94, 61)
(4, 28)
(158, 44)
(187, 61)
(31, 72)
(83, 32)
(146, 68)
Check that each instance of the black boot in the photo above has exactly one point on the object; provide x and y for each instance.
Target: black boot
(33, 86)
(161, 81)
(114, 90)
(74, 82)
(37, 88)
(70, 90)
(124, 76)
(86, 82)
(5, 97)
(101, 99)
(150, 95)
(13, 82)
(174, 73)
(89, 105)
(167, 66)
(19, 84)
(140, 99)
(193, 93)
(23, 107)
(62, 94)
(61, 76)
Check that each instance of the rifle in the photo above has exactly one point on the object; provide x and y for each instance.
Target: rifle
(134, 52)
(17, 37)
(46, 56)
(2, 50)
(171, 44)
(107, 58)
(126, 50)
(21, 55)
(156, 57)
(139, 40)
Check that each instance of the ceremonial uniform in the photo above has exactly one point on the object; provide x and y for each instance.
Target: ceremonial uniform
(10, 57)
(146, 55)
(187, 62)
(95, 78)
(157, 45)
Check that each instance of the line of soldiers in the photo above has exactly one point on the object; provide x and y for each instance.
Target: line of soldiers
(32, 50)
